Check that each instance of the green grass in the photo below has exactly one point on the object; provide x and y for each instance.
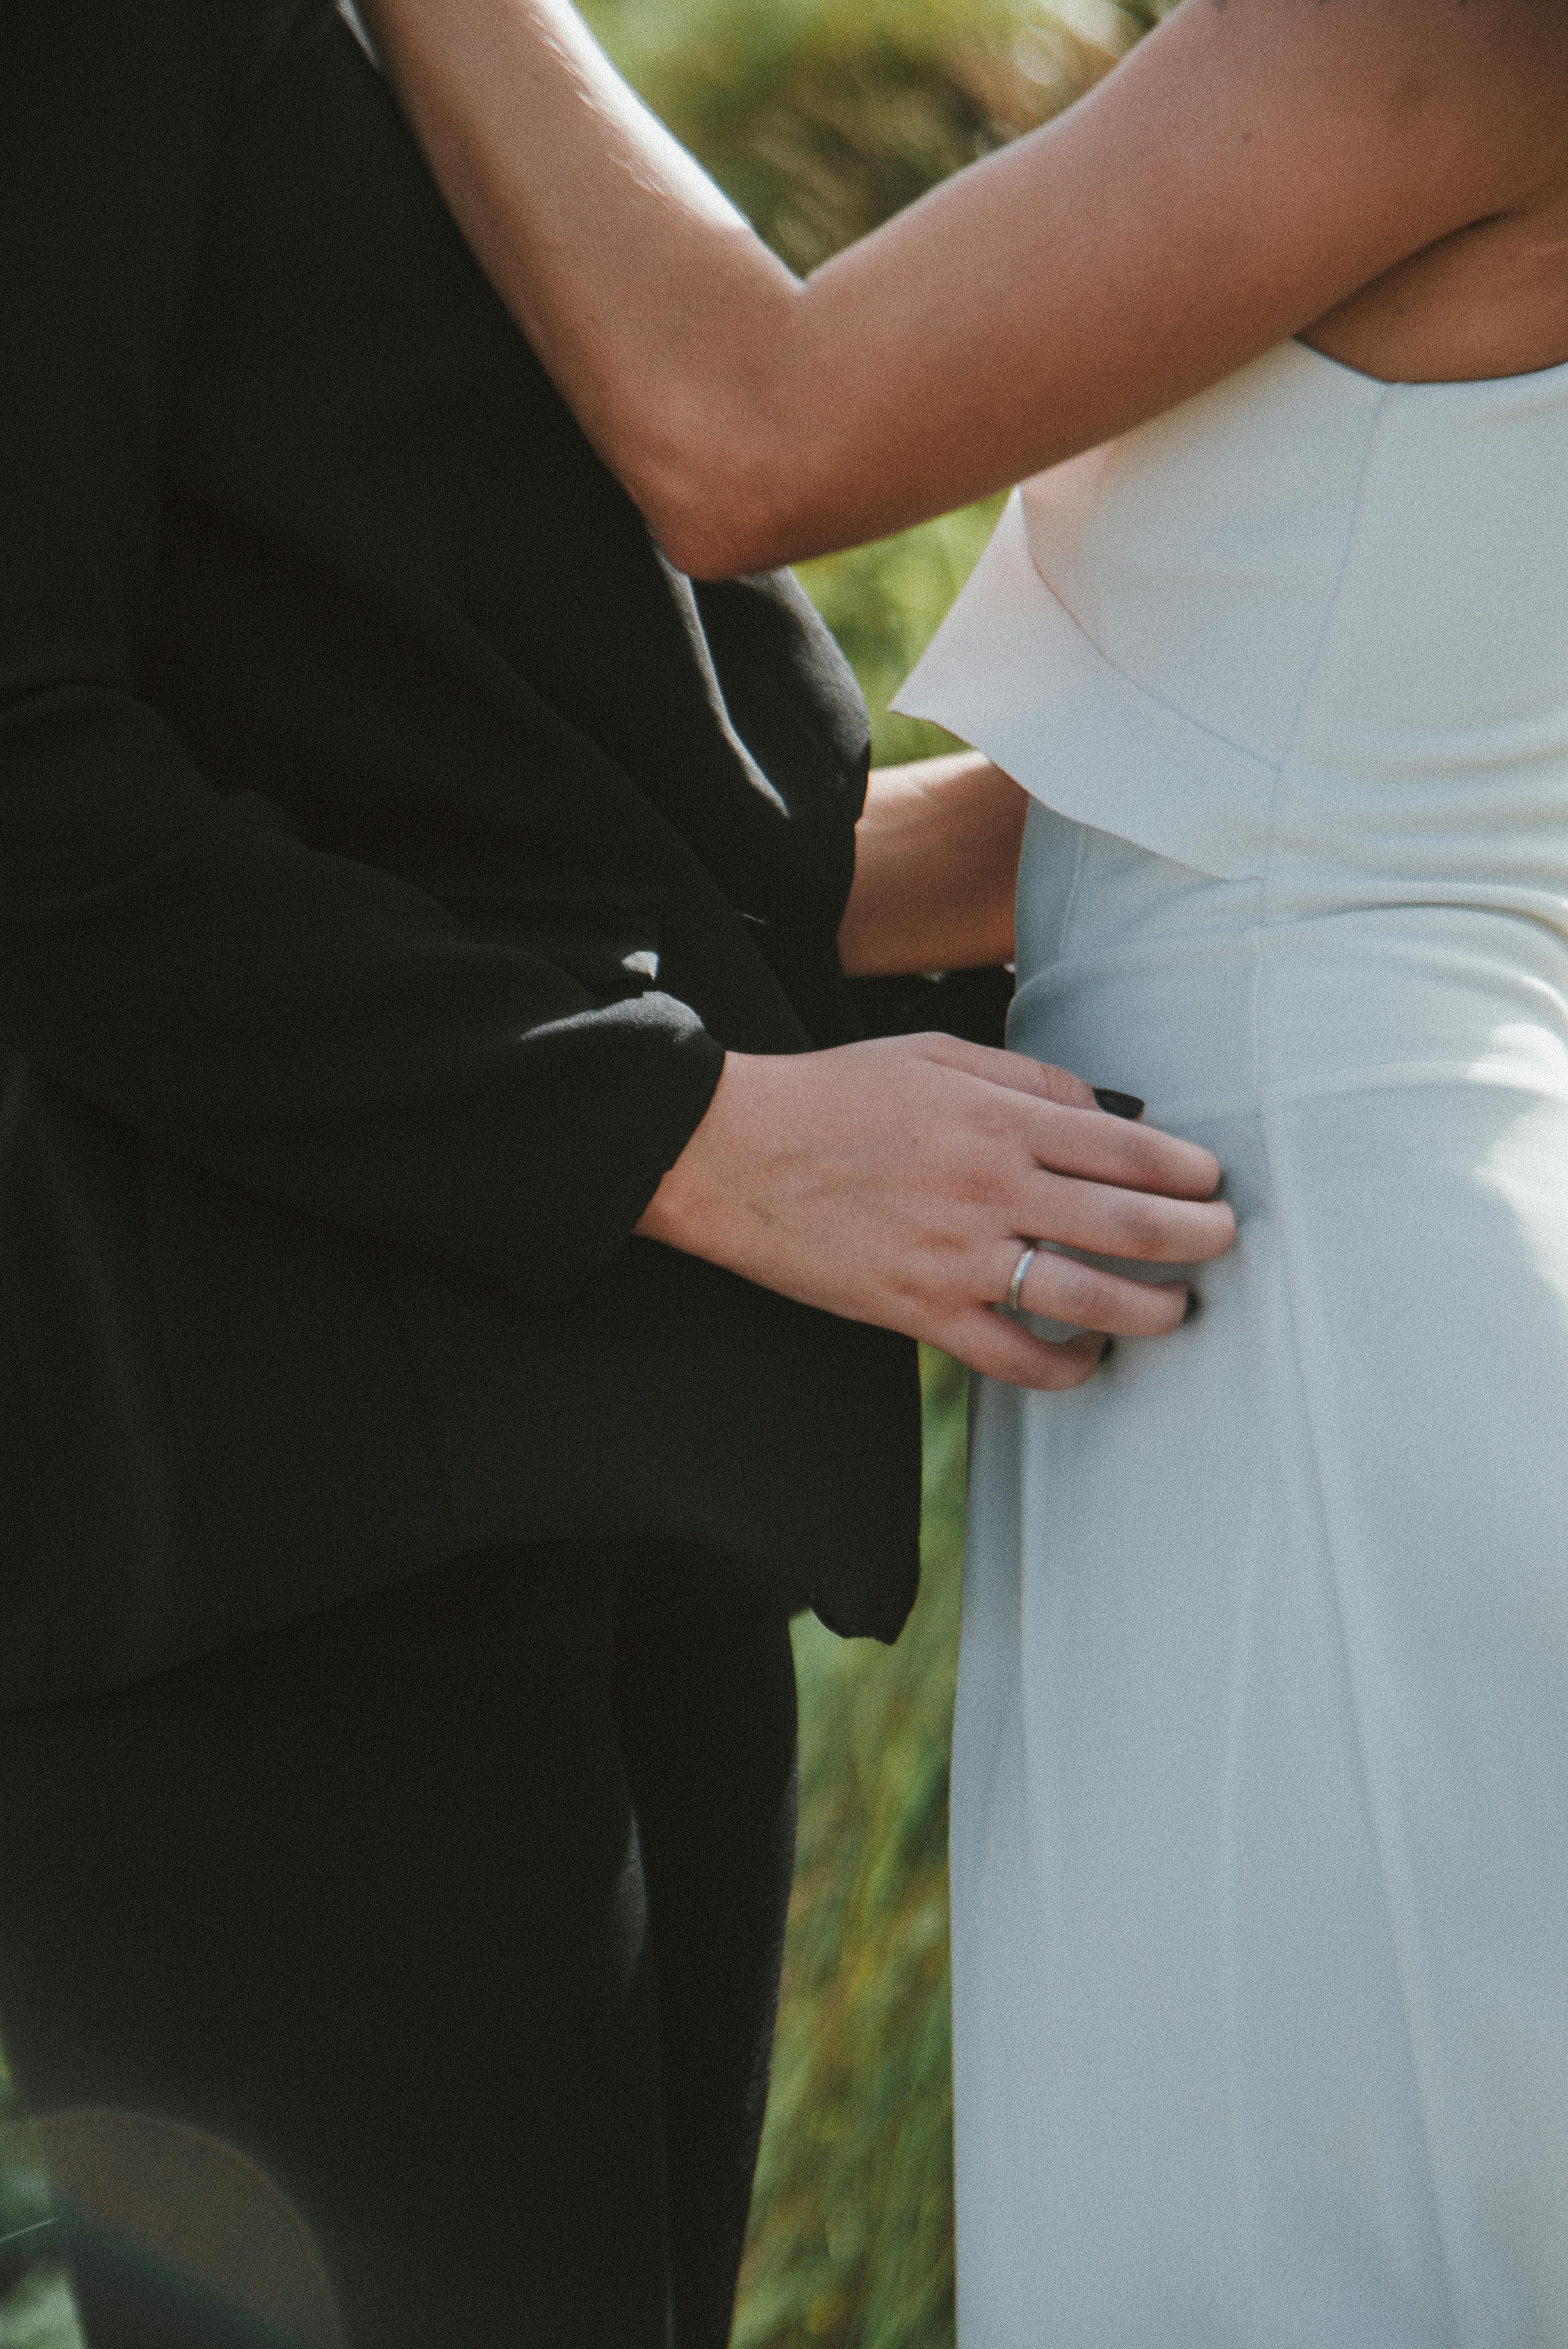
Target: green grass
(851, 2234)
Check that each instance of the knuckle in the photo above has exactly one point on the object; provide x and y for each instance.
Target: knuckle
(1103, 1304)
(980, 1181)
(998, 1114)
(1143, 1227)
(1049, 1087)
(1153, 1158)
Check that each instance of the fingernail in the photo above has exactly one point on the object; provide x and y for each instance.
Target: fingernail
(1119, 1105)
(1191, 1306)
(1106, 1352)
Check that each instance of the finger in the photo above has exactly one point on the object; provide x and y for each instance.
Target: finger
(1000, 1349)
(1105, 1221)
(1114, 1150)
(1061, 1288)
(1015, 1071)
(1117, 1103)
(1107, 1146)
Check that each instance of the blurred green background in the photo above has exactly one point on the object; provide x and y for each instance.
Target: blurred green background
(821, 118)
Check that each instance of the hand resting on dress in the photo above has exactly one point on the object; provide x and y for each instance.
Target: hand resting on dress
(897, 1181)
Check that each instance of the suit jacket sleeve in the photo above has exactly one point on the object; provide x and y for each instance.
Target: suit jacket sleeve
(311, 1028)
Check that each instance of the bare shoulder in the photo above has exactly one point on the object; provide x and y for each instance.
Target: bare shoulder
(1402, 60)
(1463, 98)
(1443, 124)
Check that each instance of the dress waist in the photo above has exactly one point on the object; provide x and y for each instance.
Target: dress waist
(1190, 992)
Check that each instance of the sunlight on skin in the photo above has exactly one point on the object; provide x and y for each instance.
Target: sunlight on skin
(695, 360)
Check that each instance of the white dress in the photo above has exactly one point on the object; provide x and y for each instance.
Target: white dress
(1260, 1805)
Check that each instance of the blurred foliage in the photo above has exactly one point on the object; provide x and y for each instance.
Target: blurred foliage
(38, 2313)
(884, 603)
(821, 118)
(851, 2234)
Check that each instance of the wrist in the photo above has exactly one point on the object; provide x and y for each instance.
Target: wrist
(699, 1202)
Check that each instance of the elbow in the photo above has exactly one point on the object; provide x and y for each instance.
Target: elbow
(716, 501)
(716, 436)
(712, 531)
(709, 546)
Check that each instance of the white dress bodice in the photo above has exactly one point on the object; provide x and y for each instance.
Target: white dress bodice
(1260, 1786)
(1306, 621)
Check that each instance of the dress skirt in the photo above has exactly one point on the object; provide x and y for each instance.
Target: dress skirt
(1260, 1804)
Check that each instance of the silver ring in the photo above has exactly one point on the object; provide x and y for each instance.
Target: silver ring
(1015, 1285)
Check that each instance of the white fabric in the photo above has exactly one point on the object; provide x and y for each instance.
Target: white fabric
(1260, 1809)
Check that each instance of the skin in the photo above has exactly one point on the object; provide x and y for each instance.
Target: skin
(1386, 179)
(893, 1181)
(936, 858)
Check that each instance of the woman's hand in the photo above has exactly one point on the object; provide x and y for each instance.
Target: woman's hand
(898, 1182)
(936, 867)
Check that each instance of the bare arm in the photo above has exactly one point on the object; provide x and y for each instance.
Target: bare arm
(936, 867)
(1247, 171)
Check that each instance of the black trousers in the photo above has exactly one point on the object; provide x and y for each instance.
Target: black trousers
(458, 1910)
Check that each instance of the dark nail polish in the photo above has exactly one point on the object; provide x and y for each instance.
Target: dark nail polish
(1117, 1104)
(1191, 1306)
(1106, 1352)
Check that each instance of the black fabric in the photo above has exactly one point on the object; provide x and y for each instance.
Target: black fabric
(478, 1962)
(390, 844)
(973, 1004)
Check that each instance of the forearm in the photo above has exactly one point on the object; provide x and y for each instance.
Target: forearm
(936, 863)
(615, 253)
(1015, 316)
(755, 419)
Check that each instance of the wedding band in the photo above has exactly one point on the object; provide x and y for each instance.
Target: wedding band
(1015, 1285)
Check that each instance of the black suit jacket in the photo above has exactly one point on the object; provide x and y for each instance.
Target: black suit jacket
(390, 844)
